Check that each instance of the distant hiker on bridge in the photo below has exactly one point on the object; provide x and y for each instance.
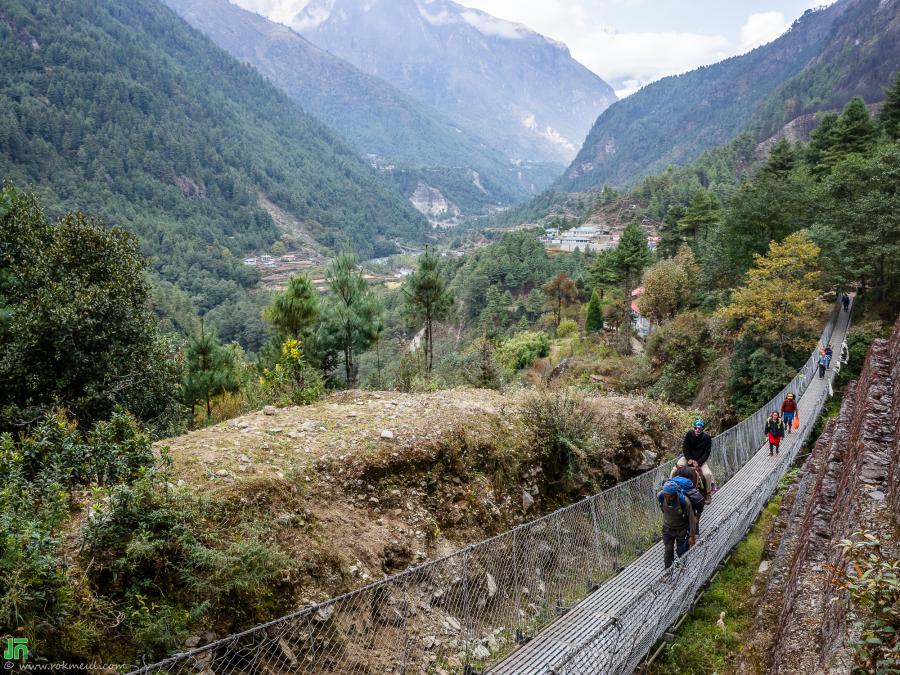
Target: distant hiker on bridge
(822, 362)
(775, 432)
(829, 352)
(679, 530)
(696, 449)
(788, 411)
(845, 301)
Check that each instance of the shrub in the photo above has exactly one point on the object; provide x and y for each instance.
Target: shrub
(115, 450)
(566, 328)
(562, 426)
(678, 346)
(292, 381)
(522, 349)
(153, 552)
(478, 366)
(872, 577)
(33, 585)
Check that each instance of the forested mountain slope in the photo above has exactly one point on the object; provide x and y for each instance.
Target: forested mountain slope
(674, 120)
(120, 109)
(522, 92)
(375, 117)
(860, 57)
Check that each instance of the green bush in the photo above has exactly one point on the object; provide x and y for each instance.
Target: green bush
(113, 451)
(33, 585)
(566, 328)
(522, 349)
(678, 350)
(562, 425)
(872, 577)
(154, 552)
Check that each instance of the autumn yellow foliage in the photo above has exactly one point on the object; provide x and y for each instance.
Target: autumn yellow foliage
(780, 298)
(668, 286)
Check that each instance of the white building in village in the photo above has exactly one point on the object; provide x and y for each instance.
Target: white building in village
(583, 237)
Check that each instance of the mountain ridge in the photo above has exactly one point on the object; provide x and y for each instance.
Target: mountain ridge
(703, 108)
(123, 110)
(534, 103)
(381, 122)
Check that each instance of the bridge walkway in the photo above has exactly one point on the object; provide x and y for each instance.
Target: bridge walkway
(556, 648)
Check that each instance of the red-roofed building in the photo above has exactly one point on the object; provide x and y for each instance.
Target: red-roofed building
(639, 322)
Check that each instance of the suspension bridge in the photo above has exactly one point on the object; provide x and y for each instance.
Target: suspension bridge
(580, 590)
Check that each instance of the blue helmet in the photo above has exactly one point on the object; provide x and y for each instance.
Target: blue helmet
(699, 423)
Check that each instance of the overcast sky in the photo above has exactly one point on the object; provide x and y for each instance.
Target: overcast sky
(633, 42)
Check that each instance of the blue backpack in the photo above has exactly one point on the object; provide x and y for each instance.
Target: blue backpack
(674, 487)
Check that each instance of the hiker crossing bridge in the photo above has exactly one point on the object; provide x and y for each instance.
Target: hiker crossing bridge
(581, 590)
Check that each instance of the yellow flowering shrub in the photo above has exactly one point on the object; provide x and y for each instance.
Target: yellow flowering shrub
(292, 381)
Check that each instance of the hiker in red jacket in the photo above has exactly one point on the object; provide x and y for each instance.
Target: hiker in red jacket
(788, 412)
(775, 432)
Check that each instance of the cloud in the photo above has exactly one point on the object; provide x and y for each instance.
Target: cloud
(762, 28)
(282, 11)
(488, 25)
(627, 60)
(630, 60)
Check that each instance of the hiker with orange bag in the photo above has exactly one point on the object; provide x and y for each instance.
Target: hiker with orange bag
(789, 412)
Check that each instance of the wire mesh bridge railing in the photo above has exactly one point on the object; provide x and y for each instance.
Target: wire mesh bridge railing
(467, 611)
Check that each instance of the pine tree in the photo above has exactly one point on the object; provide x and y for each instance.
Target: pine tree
(702, 213)
(855, 131)
(670, 238)
(593, 320)
(782, 159)
(631, 256)
(862, 219)
(352, 313)
(495, 314)
(889, 115)
(604, 272)
(534, 304)
(294, 312)
(821, 142)
(427, 299)
(210, 370)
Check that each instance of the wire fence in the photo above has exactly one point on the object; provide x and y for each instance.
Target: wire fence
(469, 610)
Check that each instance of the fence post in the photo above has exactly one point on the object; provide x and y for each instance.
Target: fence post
(467, 618)
(593, 504)
(517, 588)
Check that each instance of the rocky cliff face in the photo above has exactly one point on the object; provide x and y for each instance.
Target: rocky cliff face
(850, 482)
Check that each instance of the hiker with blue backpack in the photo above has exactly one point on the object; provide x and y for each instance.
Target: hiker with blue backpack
(679, 500)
